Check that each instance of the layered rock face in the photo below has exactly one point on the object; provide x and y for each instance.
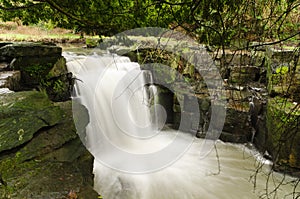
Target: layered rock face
(39, 66)
(262, 93)
(41, 155)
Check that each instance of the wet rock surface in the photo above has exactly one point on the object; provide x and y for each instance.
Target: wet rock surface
(53, 164)
(22, 115)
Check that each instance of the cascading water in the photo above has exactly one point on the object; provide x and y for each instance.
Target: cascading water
(110, 109)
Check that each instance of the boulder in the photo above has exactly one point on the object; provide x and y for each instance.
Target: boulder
(28, 49)
(22, 114)
(48, 140)
(283, 138)
(53, 164)
(233, 58)
(41, 67)
(36, 71)
(47, 179)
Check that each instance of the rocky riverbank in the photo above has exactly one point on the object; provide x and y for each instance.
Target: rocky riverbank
(262, 86)
(41, 155)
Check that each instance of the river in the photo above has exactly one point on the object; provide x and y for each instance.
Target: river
(228, 171)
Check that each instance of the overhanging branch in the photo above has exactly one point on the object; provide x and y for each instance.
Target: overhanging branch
(58, 8)
(82, 21)
(272, 43)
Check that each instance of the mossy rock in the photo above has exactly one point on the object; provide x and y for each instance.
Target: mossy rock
(59, 88)
(244, 74)
(44, 179)
(45, 69)
(22, 115)
(50, 74)
(54, 164)
(26, 49)
(283, 118)
(36, 70)
(47, 140)
(236, 124)
(59, 68)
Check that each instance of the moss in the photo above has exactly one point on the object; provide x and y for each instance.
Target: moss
(12, 167)
(91, 42)
(16, 174)
(243, 70)
(58, 68)
(38, 71)
(284, 104)
(282, 70)
(21, 101)
(24, 113)
(283, 137)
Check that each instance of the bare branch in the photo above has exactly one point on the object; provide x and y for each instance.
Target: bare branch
(271, 43)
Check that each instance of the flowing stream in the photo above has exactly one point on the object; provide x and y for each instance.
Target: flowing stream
(115, 121)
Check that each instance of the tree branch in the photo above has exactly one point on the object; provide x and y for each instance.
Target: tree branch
(83, 22)
(58, 8)
(271, 43)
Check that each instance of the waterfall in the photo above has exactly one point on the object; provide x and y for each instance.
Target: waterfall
(118, 122)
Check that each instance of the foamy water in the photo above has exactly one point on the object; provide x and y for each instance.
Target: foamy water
(227, 172)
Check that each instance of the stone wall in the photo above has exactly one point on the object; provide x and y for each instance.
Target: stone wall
(256, 82)
(280, 136)
(244, 80)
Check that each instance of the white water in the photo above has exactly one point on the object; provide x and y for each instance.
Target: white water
(224, 174)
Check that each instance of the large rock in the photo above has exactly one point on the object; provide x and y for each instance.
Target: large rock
(22, 114)
(36, 71)
(54, 164)
(49, 73)
(41, 67)
(47, 179)
(49, 139)
(28, 49)
(283, 133)
(233, 58)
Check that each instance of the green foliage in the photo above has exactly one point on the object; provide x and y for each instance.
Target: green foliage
(215, 22)
(39, 74)
(282, 70)
(47, 25)
(280, 75)
(91, 42)
(35, 71)
(58, 86)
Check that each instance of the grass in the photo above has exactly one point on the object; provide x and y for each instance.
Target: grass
(12, 31)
